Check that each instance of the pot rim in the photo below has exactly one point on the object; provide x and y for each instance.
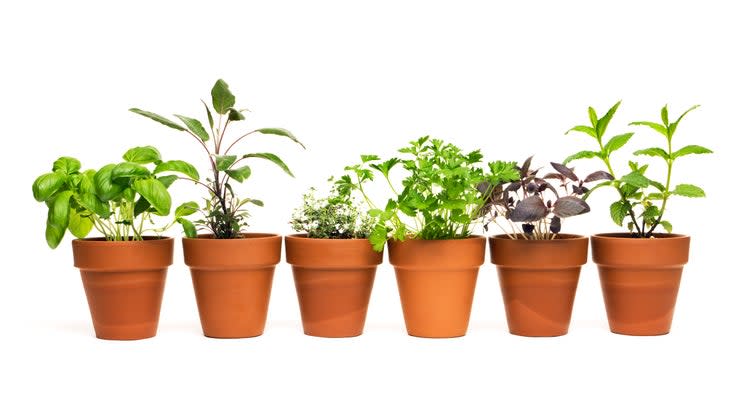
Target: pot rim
(304, 237)
(407, 240)
(102, 240)
(258, 237)
(625, 237)
(570, 238)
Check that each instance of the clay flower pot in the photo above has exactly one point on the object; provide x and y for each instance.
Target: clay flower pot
(333, 279)
(232, 281)
(538, 280)
(436, 280)
(640, 280)
(124, 282)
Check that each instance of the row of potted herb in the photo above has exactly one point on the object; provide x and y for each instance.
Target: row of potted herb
(427, 225)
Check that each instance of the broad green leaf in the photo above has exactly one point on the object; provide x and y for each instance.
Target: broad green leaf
(280, 132)
(653, 152)
(691, 149)
(619, 211)
(655, 196)
(158, 118)
(235, 115)
(141, 206)
(188, 227)
(58, 216)
(45, 186)
(271, 157)
(155, 193)
(602, 122)
(616, 142)
(592, 116)
(92, 203)
(656, 126)
(195, 126)
(223, 99)
(239, 174)
(106, 188)
(667, 226)
(86, 183)
(142, 155)
(79, 225)
(665, 116)
(635, 178)
(224, 162)
(178, 166)
(688, 190)
(167, 180)
(67, 165)
(583, 129)
(186, 209)
(257, 202)
(580, 155)
(127, 170)
(659, 186)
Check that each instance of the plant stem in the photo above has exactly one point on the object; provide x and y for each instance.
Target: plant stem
(623, 196)
(665, 196)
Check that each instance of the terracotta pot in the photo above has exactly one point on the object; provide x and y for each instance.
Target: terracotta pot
(333, 279)
(436, 280)
(538, 280)
(232, 281)
(124, 282)
(640, 280)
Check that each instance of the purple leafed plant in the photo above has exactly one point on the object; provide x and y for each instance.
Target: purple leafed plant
(535, 205)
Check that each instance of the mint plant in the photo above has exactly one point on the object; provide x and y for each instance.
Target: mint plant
(336, 216)
(438, 198)
(642, 199)
(224, 214)
(533, 207)
(119, 200)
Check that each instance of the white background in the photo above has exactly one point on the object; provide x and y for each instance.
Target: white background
(365, 77)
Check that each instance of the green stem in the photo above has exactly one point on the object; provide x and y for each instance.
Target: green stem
(665, 195)
(623, 196)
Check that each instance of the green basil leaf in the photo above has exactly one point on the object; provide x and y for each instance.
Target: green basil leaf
(106, 188)
(128, 170)
(45, 186)
(67, 165)
(58, 216)
(155, 193)
(142, 155)
(178, 166)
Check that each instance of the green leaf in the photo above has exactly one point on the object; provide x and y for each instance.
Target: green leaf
(635, 178)
(58, 216)
(92, 203)
(583, 129)
(239, 174)
(619, 211)
(188, 227)
(580, 155)
(155, 193)
(602, 122)
(270, 157)
(142, 155)
(224, 162)
(667, 226)
(195, 126)
(178, 166)
(688, 190)
(210, 116)
(223, 99)
(127, 170)
(691, 149)
(616, 142)
(257, 202)
(366, 158)
(653, 152)
(79, 225)
(665, 116)
(673, 126)
(66, 165)
(45, 186)
(280, 132)
(167, 180)
(158, 118)
(106, 188)
(235, 115)
(656, 126)
(141, 206)
(592, 116)
(378, 237)
(186, 209)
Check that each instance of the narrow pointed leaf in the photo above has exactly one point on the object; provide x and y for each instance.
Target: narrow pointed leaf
(688, 190)
(525, 167)
(583, 129)
(210, 116)
(653, 152)
(564, 171)
(691, 149)
(656, 126)
(235, 115)
(592, 116)
(195, 126)
(602, 123)
(580, 155)
(616, 142)
(224, 162)
(665, 116)
(158, 118)
(270, 157)
(280, 132)
(598, 175)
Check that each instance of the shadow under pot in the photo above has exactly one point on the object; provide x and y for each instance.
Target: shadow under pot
(436, 281)
(538, 279)
(333, 279)
(124, 282)
(640, 280)
(232, 280)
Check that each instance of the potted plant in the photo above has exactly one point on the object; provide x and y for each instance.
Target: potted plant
(333, 264)
(123, 271)
(232, 271)
(538, 266)
(640, 270)
(427, 226)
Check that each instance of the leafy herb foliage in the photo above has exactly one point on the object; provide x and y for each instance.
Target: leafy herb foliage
(224, 214)
(118, 200)
(334, 217)
(641, 199)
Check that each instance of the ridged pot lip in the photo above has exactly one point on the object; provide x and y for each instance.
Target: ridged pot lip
(102, 242)
(663, 237)
(472, 237)
(299, 237)
(208, 238)
(562, 238)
